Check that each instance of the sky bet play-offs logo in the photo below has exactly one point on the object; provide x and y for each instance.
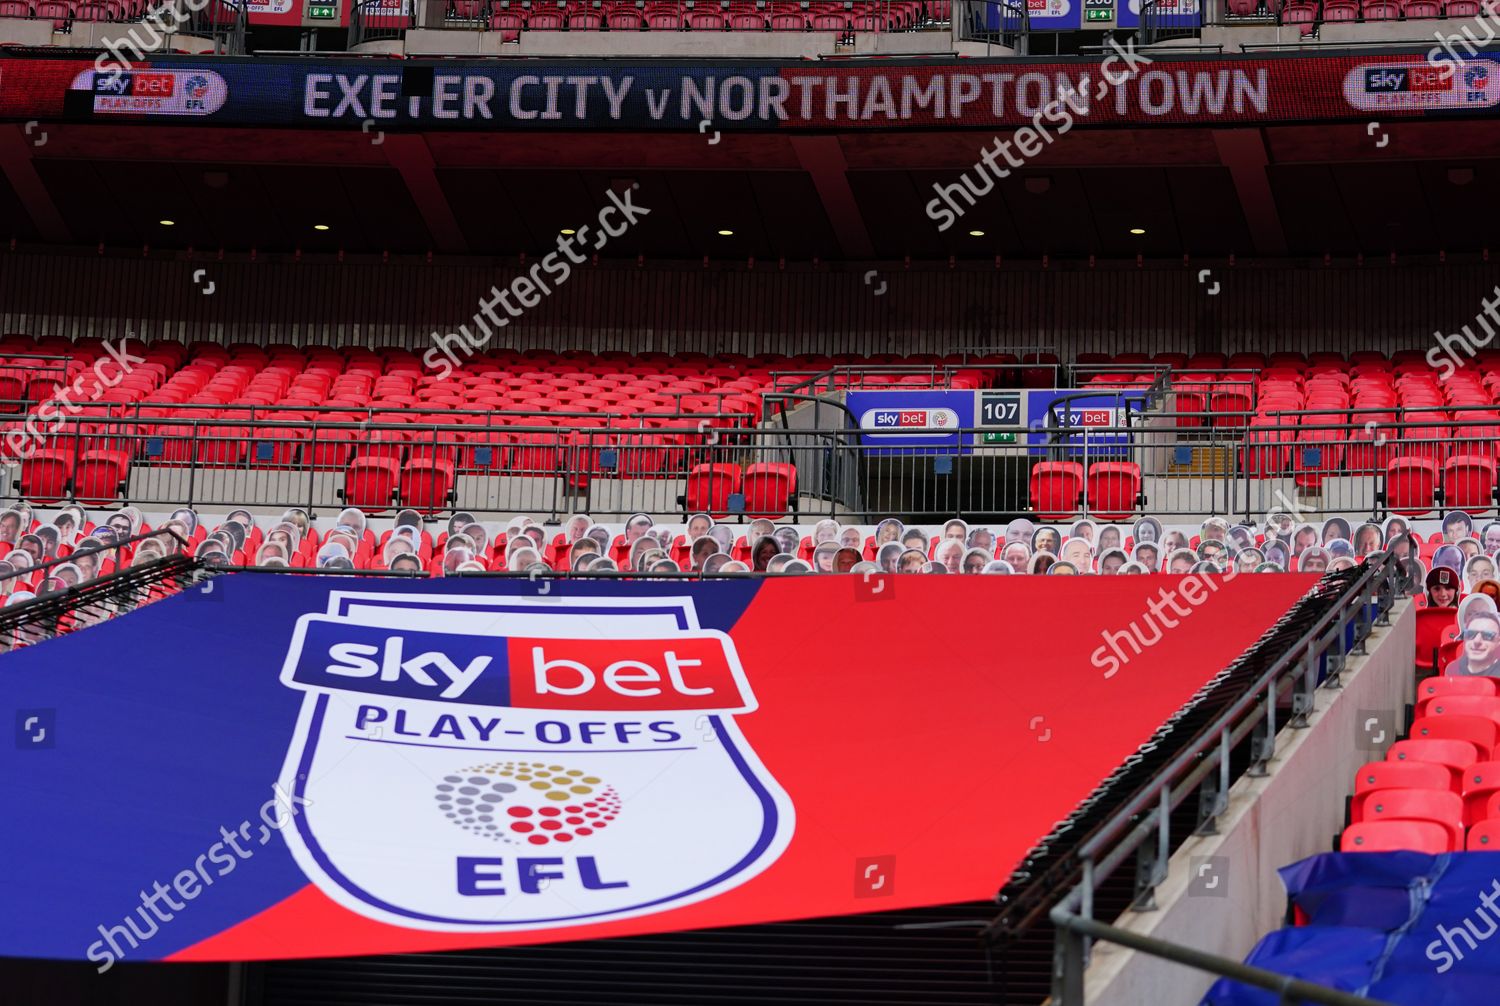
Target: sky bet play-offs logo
(941, 422)
(1381, 86)
(153, 92)
(506, 763)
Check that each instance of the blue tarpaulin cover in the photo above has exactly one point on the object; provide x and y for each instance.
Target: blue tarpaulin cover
(1405, 928)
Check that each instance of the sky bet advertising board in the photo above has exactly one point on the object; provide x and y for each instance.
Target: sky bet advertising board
(755, 95)
(894, 423)
(274, 767)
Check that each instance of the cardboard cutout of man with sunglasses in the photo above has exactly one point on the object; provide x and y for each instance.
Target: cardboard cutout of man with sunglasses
(1481, 651)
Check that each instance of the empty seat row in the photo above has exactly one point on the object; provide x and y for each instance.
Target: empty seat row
(1439, 789)
(1112, 489)
(1415, 486)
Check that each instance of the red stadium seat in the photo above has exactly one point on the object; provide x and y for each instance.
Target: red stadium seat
(46, 474)
(1410, 484)
(60, 15)
(426, 484)
(1430, 688)
(1439, 806)
(1396, 836)
(1481, 706)
(1481, 782)
(1480, 732)
(625, 20)
(1484, 836)
(709, 487)
(1400, 775)
(1434, 627)
(100, 476)
(770, 489)
(1469, 483)
(1456, 755)
(1113, 489)
(371, 482)
(1056, 489)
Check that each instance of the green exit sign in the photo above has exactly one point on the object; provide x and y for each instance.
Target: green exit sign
(322, 12)
(999, 438)
(1098, 15)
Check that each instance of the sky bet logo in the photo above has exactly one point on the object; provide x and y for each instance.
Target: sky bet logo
(691, 670)
(1390, 80)
(909, 419)
(141, 83)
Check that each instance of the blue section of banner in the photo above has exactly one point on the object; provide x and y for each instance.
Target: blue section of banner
(171, 725)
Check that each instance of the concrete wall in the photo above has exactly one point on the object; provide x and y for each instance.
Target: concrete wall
(1288, 815)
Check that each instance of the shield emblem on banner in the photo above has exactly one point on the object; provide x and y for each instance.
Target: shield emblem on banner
(476, 763)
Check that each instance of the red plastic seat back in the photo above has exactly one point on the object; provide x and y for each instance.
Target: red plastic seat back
(1396, 836)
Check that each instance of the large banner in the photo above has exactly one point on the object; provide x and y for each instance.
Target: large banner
(746, 95)
(273, 767)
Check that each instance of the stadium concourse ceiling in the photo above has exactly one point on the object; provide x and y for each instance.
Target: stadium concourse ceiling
(1294, 190)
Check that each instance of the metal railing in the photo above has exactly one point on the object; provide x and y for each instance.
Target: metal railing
(380, 20)
(1191, 460)
(1004, 23)
(851, 16)
(60, 607)
(1162, 20)
(222, 21)
(1140, 829)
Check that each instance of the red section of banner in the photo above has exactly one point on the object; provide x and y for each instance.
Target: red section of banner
(927, 733)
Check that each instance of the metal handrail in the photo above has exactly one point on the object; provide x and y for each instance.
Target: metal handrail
(1379, 581)
(31, 571)
(1290, 989)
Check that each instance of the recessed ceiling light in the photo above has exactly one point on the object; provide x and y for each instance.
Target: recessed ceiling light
(568, 232)
(167, 223)
(320, 227)
(976, 234)
(726, 233)
(1137, 230)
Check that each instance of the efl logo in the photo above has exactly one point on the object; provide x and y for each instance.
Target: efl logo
(490, 763)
